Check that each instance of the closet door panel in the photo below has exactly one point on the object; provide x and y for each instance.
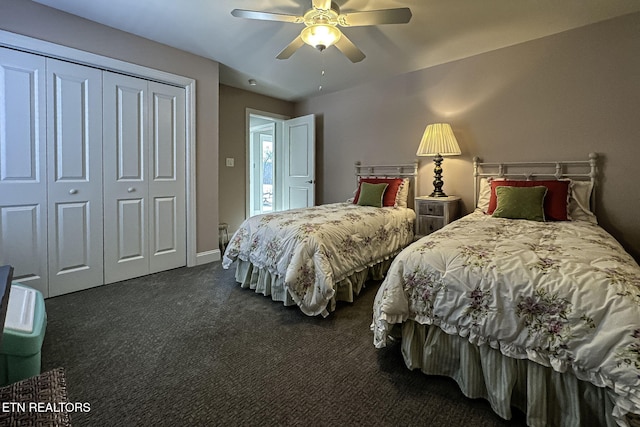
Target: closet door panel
(74, 135)
(131, 125)
(165, 237)
(167, 183)
(125, 163)
(23, 186)
(131, 225)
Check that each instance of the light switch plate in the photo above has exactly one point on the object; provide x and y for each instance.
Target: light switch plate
(230, 162)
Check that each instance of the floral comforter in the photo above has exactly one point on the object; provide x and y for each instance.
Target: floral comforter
(562, 294)
(314, 248)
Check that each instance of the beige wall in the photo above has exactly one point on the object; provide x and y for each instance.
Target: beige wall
(560, 97)
(233, 143)
(41, 22)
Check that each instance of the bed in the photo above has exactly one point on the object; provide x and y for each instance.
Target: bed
(315, 256)
(543, 316)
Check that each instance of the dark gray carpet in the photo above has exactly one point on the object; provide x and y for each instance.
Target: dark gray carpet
(189, 347)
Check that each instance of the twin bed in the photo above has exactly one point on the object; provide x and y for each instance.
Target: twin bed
(316, 256)
(526, 302)
(539, 315)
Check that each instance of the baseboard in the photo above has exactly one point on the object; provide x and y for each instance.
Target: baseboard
(208, 256)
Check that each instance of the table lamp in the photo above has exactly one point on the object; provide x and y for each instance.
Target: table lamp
(438, 140)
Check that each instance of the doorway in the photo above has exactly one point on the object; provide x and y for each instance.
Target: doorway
(280, 162)
(262, 178)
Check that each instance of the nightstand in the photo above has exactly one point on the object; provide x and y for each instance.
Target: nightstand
(433, 213)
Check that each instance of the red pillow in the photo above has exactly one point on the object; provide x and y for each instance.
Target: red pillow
(555, 202)
(389, 197)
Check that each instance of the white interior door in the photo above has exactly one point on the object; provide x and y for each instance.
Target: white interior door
(144, 177)
(126, 189)
(299, 162)
(54, 224)
(74, 164)
(167, 239)
(23, 182)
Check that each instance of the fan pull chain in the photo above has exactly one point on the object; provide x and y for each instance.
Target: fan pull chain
(322, 73)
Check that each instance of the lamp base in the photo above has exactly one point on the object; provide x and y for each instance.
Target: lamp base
(438, 194)
(438, 182)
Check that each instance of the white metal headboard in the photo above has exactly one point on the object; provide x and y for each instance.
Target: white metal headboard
(581, 170)
(404, 170)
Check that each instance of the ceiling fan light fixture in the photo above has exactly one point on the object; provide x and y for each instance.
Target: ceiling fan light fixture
(320, 36)
(321, 26)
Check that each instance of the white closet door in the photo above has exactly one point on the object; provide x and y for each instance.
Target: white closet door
(167, 236)
(144, 177)
(74, 141)
(125, 157)
(23, 181)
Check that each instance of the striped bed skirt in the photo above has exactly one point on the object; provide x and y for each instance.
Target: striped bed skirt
(546, 397)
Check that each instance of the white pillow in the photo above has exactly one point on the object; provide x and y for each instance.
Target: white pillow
(484, 194)
(579, 201)
(403, 194)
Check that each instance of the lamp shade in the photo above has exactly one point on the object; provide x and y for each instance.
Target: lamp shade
(438, 138)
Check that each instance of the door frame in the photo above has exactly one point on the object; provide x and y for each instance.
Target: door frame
(259, 131)
(269, 116)
(56, 51)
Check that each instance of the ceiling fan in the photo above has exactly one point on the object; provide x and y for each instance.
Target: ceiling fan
(321, 26)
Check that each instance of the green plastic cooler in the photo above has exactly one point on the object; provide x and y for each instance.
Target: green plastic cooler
(24, 330)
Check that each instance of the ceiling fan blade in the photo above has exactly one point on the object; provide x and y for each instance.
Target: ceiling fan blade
(400, 15)
(267, 16)
(322, 4)
(289, 50)
(349, 49)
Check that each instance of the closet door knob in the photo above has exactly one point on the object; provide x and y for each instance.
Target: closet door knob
(73, 191)
(131, 190)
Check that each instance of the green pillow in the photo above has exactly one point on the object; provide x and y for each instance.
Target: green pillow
(371, 194)
(520, 202)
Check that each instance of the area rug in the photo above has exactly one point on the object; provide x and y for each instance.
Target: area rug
(36, 401)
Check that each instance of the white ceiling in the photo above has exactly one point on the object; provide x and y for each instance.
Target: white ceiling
(439, 31)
